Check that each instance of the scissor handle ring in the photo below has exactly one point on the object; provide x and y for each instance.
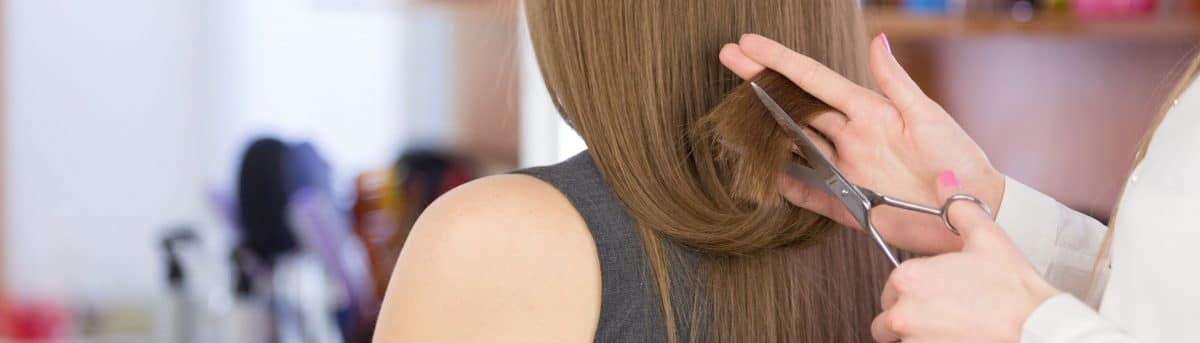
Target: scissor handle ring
(961, 197)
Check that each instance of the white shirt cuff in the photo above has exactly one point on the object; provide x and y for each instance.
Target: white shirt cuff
(1064, 319)
(1031, 220)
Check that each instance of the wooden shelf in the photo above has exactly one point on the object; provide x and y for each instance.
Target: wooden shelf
(1079, 93)
(900, 24)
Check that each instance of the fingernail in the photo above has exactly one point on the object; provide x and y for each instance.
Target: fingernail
(886, 45)
(948, 179)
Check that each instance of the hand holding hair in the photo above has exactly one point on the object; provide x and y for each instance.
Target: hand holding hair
(983, 293)
(894, 143)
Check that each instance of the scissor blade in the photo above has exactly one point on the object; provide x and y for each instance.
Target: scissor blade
(825, 172)
(808, 176)
(833, 182)
(796, 132)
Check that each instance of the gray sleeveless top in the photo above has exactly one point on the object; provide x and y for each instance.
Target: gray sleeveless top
(630, 310)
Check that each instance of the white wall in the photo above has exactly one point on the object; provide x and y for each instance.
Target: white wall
(545, 136)
(430, 107)
(123, 113)
(308, 69)
(103, 140)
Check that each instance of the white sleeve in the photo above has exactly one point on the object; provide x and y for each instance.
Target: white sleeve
(1064, 319)
(1061, 243)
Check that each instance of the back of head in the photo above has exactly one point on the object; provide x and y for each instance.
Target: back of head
(637, 78)
(262, 199)
(692, 155)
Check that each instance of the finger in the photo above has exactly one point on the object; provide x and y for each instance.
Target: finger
(822, 144)
(831, 124)
(899, 283)
(732, 57)
(969, 218)
(891, 293)
(809, 198)
(881, 328)
(895, 83)
(818, 80)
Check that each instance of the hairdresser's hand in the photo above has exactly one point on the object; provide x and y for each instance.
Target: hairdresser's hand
(893, 143)
(982, 294)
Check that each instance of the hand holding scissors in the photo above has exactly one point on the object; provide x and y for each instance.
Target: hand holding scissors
(939, 299)
(896, 145)
(893, 145)
(826, 177)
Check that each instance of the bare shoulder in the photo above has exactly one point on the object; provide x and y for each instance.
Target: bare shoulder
(503, 258)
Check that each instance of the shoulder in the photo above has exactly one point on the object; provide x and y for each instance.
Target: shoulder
(504, 258)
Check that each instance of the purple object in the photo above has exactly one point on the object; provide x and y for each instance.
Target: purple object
(325, 231)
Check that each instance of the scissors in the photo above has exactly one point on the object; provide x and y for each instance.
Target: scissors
(859, 200)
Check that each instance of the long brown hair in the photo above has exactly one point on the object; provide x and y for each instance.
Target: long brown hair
(693, 157)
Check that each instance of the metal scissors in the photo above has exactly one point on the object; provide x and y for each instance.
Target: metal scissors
(859, 200)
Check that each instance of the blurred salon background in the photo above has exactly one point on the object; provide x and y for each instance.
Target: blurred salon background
(247, 170)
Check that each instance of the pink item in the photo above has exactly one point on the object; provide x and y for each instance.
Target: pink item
(948, 179)
(33, 321)
(1112, 8)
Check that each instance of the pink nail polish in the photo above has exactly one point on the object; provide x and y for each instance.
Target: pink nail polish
(886, 44)
(948, 179)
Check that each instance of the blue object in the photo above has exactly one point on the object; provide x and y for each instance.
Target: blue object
(927, 7)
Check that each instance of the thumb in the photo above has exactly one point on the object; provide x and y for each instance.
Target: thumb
(968, 217)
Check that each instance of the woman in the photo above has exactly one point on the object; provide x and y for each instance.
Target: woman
(670, 227)
(996, 288)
